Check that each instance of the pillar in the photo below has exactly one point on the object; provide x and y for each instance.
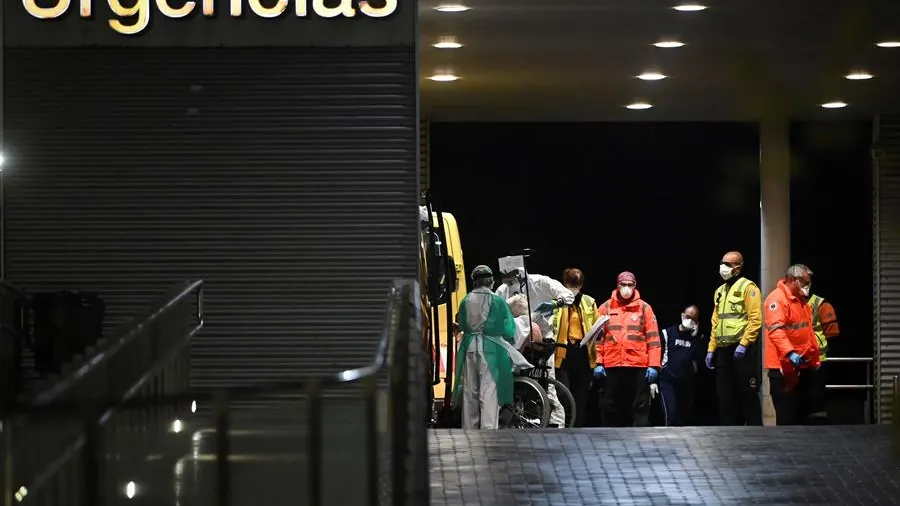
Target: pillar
(775, 219)
(2, 203)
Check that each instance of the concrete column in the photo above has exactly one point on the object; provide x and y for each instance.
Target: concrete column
(2, 190)
(775, 219)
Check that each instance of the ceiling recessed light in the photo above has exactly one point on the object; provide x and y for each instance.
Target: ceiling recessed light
(651, 76)
(858, 76)
(639, 106)
(689, 7)
(447, 43)
(451, 8)
(444, 77)
(666, 44)
(889, 43)
(834, 105)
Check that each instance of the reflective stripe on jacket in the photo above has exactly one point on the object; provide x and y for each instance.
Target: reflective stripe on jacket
(731, 313)
(632, 336)
(789, 328)
(560, 322)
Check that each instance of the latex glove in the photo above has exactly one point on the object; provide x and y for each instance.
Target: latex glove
(651, 375)
(599, 372)
(709, 360)
(739, 351)
(654, 391)
(545, 308)
(795, 358)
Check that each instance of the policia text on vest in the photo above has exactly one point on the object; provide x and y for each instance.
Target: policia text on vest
(136, 18)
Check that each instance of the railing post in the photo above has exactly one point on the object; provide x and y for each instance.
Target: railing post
(314, 456)
(370, 390)
(223, 449)
(867, 416)
(399, 386)
(200, 305)
(8, 484)
(895, 401)
(93, 455)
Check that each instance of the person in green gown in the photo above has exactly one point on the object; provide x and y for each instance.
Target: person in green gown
(484, 370)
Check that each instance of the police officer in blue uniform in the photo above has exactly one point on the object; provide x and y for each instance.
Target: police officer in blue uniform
(683, 348)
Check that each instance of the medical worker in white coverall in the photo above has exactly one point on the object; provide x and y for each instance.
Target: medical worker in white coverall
(485, 370)
(545, 294)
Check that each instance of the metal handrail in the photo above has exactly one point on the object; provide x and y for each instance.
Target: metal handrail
(20, 412)
(44, 403)
(65, 384)
(868, 386)
(390, 350)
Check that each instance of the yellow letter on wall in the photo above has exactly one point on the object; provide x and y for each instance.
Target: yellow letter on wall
(266, 12)
(171, 12)
(390, 7)
(31, 7)
(346, 9)
(141, 9)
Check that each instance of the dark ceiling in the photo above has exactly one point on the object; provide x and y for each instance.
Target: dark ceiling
(577, 60)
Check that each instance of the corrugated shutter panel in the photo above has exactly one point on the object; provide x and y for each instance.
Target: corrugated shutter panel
(424, 166)
(887, 263)
(285, 178)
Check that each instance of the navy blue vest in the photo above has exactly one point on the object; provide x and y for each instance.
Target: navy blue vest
(681, 348)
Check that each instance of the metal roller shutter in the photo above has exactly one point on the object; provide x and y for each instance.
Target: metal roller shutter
(887, 262)
(285, 178)
(424, 166)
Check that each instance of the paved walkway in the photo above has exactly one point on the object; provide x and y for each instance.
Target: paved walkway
(676, 466)
(839, 466)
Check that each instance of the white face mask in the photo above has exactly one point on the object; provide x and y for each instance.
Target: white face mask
(626, 292)
(805, 291)
(726, 272)
(687, 324)
(573, 290)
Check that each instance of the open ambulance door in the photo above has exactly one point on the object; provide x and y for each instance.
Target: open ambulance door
(446, 287)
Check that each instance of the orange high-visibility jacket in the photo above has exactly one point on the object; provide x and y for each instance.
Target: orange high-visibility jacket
(788, 328)
(632, 334)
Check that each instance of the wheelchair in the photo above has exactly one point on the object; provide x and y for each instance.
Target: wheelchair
(531, 406)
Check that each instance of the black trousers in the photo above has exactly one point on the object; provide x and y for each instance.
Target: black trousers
(594, 414)
(676, 399)
(794, 407)
(575, 373)
(737, 385)
(626, 397)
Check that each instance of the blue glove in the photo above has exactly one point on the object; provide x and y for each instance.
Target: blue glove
(739, 351)
(709, 360)
(651, 375)
(795, 358)
(599, 372)
(545, 308)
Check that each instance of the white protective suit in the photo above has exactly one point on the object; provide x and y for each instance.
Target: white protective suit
(543, 289)
(480, 406)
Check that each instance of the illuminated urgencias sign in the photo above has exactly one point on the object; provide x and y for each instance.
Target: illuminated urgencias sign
(139, 10)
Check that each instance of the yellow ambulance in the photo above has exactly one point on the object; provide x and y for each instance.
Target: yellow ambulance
(443, 287)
